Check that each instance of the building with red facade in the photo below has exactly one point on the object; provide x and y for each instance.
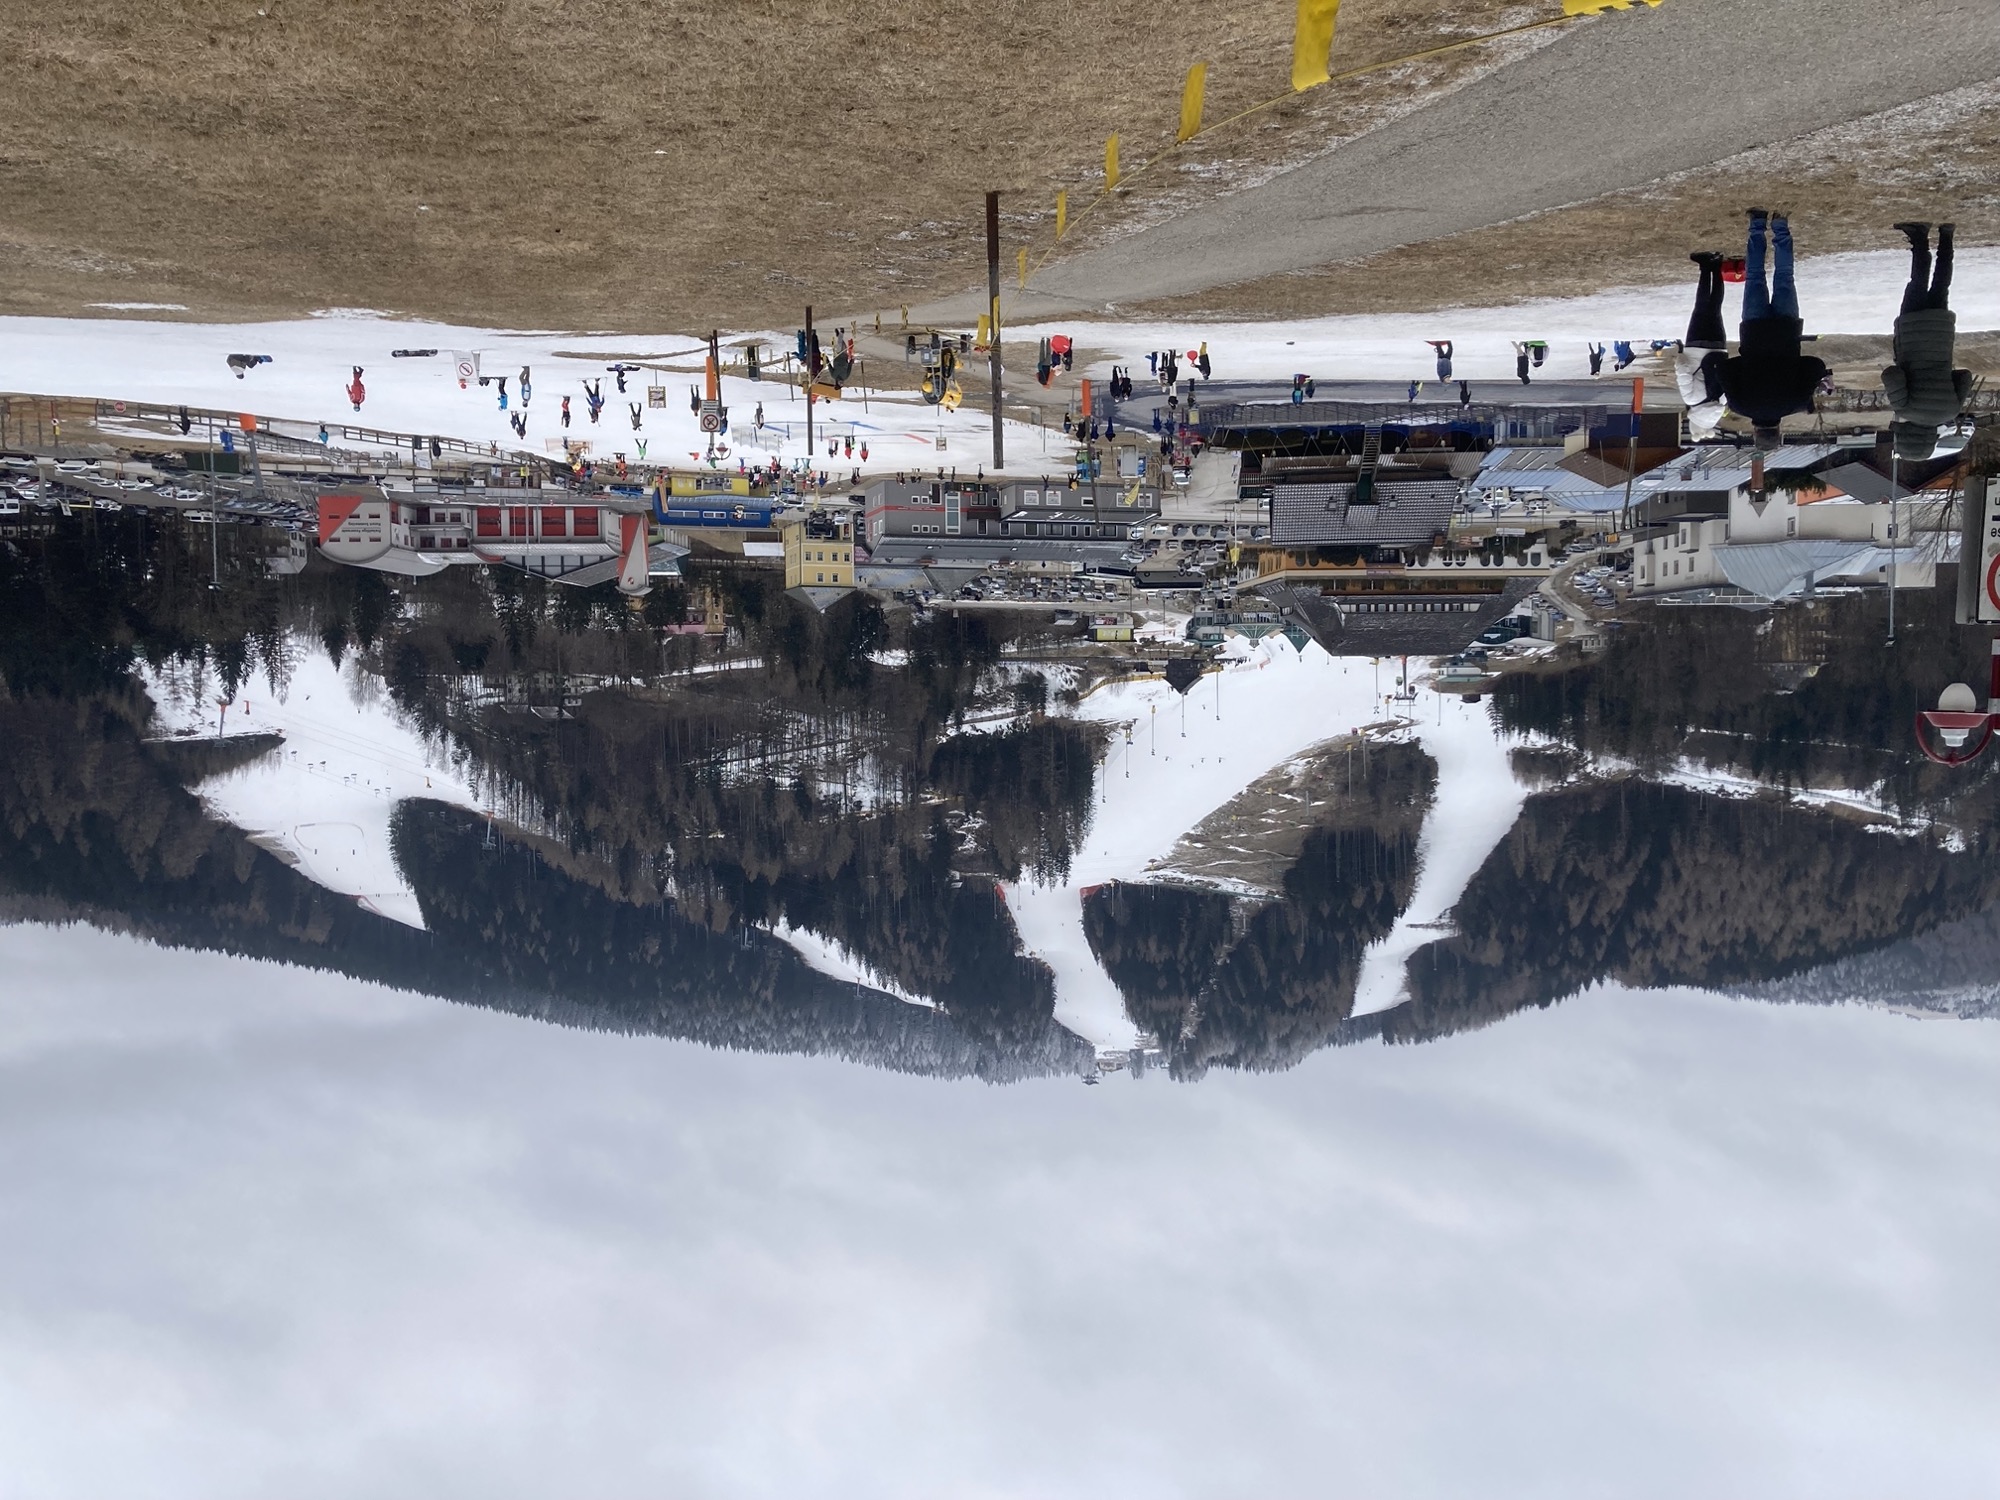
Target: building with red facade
(570, 542)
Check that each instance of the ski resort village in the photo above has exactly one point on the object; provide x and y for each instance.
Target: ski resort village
(911, 750)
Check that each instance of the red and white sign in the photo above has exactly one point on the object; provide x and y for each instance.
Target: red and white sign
(1988, 561)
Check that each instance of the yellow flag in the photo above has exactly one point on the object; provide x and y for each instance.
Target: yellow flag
(984, 332)
(1596, 7)
(1111, 159)
(1021, 262)
(1191, 97)
(1062, 213)
(1312, 42)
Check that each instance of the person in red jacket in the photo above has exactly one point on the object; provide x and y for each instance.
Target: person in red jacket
(356, 391)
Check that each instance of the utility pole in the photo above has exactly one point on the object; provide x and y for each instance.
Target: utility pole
(1895, 495)
(811, 369)
(1632, 450)
(993, 321)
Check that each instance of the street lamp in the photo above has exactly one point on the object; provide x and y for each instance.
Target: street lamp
(1958, 724)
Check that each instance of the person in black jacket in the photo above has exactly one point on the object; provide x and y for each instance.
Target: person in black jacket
(1769, 379)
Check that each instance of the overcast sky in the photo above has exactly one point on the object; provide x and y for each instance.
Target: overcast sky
(269, 1233)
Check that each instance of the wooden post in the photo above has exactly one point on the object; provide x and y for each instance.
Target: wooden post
(993, 321)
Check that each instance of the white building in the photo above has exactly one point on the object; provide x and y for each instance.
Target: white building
(1778, 544)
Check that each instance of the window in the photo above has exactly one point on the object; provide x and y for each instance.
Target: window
(585, 522)
(555, 522)
(489, 520)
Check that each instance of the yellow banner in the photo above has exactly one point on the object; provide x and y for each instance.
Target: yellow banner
(1021, 263)
(1062, 213)
(1598, 7)
(710, 484)
(1111, 156)
(1312, 42)
(983, 332)
(1191, 99)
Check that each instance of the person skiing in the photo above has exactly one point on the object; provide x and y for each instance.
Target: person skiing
(1153, 363)
(242, 364)
(1596, 358)
(519, 423)
(356, 391)
(1443, 348)
(593, 397)
(526, 389)
(184, 422)
(642, 450)
(1521, 362)
(1201, 359)
(1699, 361)
(620, 371)
(1044, 365)
(1464, 394)
(636, 410)
(1924, 391)
(1769, 379)
(1621, 353)
(757, 421)
(1416, 386)
(322, 434)
(503, 393)
(565, 411)
(1539, 349)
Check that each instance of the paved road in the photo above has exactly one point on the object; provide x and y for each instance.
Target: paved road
(1616, 102)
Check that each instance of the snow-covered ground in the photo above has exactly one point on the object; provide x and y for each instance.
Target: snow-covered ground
(312, 360)
(1179, 760)
(1478, 799)
(829, 958)
(324, 798)
(1854, 293)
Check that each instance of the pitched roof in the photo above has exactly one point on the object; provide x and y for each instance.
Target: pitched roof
(1406, 513)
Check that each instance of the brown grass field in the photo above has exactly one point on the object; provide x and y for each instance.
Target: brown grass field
(623, 164)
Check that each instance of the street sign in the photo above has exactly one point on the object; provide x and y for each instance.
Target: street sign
(711, 416)
(656, 397)
(1982, 558)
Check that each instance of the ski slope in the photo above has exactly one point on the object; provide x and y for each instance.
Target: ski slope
(1172, 762)
(322, 801)
(1478, 798)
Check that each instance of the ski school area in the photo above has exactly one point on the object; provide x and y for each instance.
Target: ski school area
(603, 397)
